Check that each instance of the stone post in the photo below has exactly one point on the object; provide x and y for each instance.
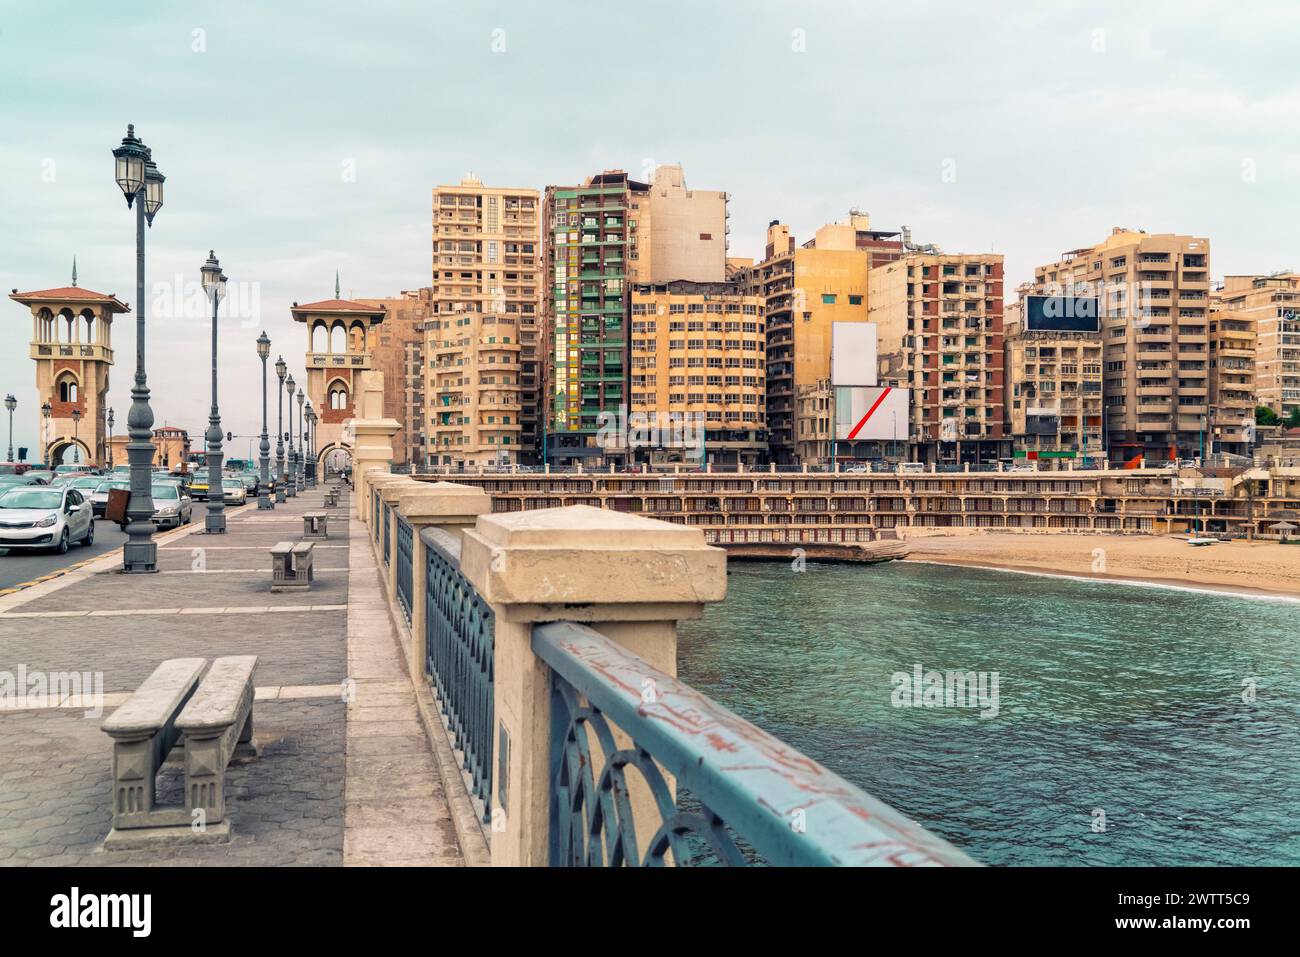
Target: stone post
(373, 433)
(444, 505)
(629, 577)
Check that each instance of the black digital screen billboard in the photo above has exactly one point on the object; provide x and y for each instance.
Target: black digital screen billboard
(1062, 313)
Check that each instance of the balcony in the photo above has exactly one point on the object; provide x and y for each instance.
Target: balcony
(339, 360)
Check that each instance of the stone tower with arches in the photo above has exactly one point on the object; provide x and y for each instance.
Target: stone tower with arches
(72, 346)
(340, 336)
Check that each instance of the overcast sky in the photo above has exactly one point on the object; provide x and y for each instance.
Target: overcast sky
(300, 138)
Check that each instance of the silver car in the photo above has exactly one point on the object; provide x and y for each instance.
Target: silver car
(36, 516)
(233, 491)
(172, 507)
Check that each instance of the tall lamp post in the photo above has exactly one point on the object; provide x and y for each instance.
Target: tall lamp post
(279, 432)
(214, 284)
(11, 403)
(311, 445)
(76, 441)
(301, 398)
(110, 439)
(46, 410)
(140, 180)
(290, 483)
(264, 448)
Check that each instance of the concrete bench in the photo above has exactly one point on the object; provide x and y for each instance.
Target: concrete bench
(314, 526)
(143, 732)
(332, 498)
(217, 718)
(291, 566)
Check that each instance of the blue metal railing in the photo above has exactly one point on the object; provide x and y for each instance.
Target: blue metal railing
(749, 785)
(405, 548)
(459, 642)
(388, 534)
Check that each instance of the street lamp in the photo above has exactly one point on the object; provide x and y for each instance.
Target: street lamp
(311, 445)
(279, 433)
(264, 449)
(214, 284)
(301, 461)
(46, 409)
(139, 178)
(11, 403)
(76, 442)
(291, 490)
(110, 440)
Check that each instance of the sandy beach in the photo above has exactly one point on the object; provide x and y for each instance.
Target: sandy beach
(1238, 566)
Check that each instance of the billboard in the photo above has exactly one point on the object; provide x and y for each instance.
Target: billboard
(1062, 313)
(853, 353)
(871, 412)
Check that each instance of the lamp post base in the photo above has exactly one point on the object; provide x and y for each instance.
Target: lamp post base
(140, 558)
(264, 501)
(215, 523)
(279, 495)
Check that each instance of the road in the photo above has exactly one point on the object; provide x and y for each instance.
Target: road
(20, 565)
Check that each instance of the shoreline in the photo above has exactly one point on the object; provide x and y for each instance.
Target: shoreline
(1248, 570)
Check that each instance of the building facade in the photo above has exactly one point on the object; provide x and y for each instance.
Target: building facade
(72, 346)
(1153, 293)
(698, 377)
(397, 351)
(939, 327)
(472, 388)
(486, 259)
(1272, 305)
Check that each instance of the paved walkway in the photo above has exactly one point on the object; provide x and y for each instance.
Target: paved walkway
(345, 775)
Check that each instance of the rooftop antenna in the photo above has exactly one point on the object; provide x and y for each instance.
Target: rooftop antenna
(74, 270)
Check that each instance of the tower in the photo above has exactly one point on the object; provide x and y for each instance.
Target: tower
(72, 346)
(340, 335)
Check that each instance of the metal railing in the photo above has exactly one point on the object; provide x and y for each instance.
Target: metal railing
(746, 786)
(374, 501)
(388, 534)
(403, 573)
(459, 643)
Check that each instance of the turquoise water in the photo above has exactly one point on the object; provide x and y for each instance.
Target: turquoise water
(1111, 697)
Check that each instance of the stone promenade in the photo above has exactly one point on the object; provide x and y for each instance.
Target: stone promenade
(345, 775)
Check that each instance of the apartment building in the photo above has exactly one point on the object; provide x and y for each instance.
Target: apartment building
(397, 352)
(1153, 293)
(698, 375)
(939, 329)
(683, 230)
(472, 388)
(1272, 305)
(1054, 396)
(486, 261)
(804, 289)
(1232, 380)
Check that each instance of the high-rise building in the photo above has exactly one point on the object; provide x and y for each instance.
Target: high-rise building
(486, 254)
(939, 331)
(1054, 395)
(1153, 293)
(396, 352)
(698, 374)
(1272, 304)
(593, 248)
(804, 290)
(683, 232)
(472, 388)
(1232, 378)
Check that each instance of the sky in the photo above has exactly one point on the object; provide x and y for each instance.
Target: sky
(302, 138)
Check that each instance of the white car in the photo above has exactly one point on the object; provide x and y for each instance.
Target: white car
(36, 516)
(234, 491)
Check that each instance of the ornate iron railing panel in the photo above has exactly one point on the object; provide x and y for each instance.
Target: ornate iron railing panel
(405, 549)
(749, 785)
(388, 534)
(459, 642)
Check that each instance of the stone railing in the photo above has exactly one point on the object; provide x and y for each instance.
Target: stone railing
(546, 642)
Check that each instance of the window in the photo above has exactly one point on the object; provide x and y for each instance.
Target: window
(855, 300)
(828, 299)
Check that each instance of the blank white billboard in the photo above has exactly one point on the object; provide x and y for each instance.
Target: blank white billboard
(853, 353)
(871, 412)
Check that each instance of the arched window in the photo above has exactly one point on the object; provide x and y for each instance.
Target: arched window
(320, 338)
(65, 326)
(338, 338)
(89, 317)
(338, 395)
(357, 337)
(67, 388)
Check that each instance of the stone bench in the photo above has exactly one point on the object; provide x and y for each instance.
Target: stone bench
(314, 526)
(291, 566)
(143, 732)
(217, 717)
(214, 714)
(332, 498)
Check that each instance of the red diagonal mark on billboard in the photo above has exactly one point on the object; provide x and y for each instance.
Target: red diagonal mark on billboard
(870, 412)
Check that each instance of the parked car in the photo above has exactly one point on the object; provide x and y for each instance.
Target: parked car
(10, 481)
(44, 476)
(99, 496)
(234, 492)
(199, 485)
(15, 468)
(44, 517)
(172, 507)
